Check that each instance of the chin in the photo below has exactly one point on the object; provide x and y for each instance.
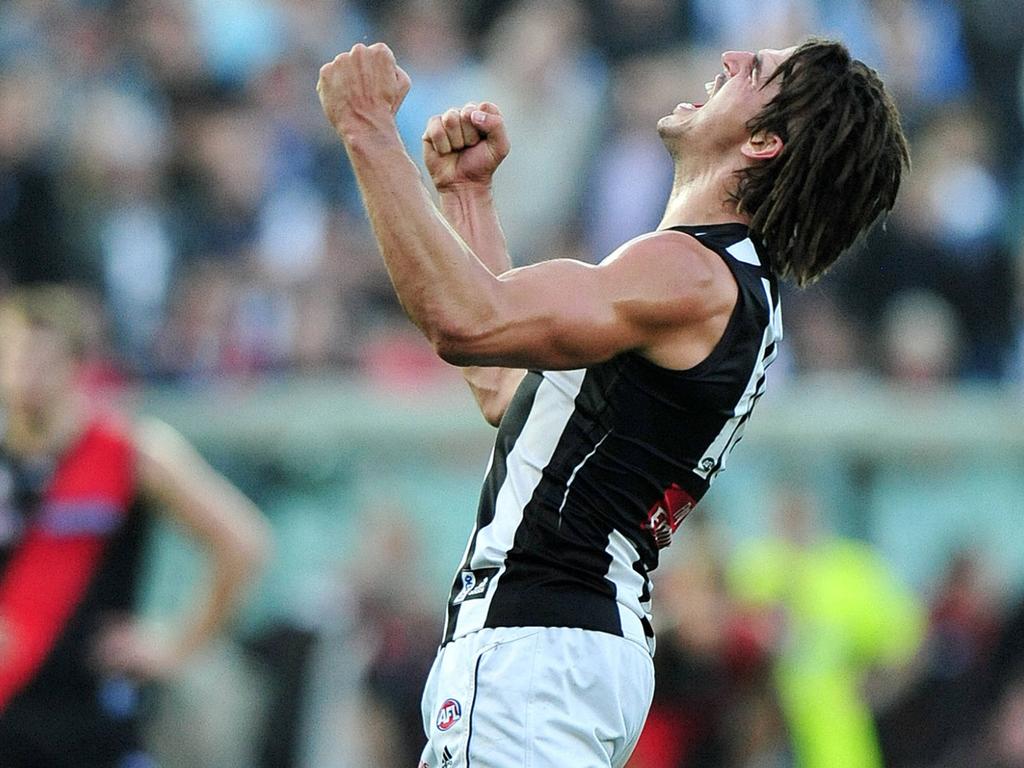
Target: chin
(668, 123)
(671, 125)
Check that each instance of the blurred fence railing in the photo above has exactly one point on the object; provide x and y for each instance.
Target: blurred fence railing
(919, 471)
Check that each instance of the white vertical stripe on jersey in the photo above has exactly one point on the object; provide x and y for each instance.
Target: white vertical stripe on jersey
(732, 431)
(553, 406)
(629, 586)
(776, 312)
(572, 477)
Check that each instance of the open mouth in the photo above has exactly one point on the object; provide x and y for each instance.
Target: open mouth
(711, 87)
(714, 86)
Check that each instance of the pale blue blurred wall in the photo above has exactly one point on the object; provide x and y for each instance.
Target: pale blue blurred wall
(918, 473)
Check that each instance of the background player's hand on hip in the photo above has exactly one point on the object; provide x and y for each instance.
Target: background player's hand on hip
(465, 146)
(362, 89)
(126, 646)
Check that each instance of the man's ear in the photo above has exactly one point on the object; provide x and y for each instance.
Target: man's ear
(762, 146)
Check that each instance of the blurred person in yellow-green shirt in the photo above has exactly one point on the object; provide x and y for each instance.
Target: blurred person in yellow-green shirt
(838, 614)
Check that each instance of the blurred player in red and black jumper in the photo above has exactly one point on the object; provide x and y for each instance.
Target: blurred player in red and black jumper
(73, 480)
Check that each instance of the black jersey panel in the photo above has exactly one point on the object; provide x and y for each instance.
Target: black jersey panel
(511, 426)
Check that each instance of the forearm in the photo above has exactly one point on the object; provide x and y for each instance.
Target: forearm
(232, 572)
(232, 535)
(469, 208)
(438, 279)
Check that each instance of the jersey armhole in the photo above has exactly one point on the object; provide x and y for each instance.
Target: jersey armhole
(728, 335)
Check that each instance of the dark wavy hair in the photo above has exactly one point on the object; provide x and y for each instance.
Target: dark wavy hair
(843, 156)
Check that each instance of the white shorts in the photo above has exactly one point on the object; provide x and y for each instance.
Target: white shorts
(536, 697)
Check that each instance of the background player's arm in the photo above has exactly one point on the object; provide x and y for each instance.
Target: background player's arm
(555, 315)
(461, 150)
(232, 532)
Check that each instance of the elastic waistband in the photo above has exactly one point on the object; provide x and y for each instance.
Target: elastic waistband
(582, 610)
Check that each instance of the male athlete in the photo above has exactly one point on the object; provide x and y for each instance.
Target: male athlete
(71, 538)
(643, 370)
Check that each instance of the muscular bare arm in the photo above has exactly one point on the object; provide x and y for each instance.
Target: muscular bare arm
(462, 149)
(662, 295)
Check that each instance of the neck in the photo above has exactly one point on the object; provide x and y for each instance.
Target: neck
(45, 431)
(701, 196)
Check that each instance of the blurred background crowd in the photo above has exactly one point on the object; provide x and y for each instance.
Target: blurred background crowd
(855, 583)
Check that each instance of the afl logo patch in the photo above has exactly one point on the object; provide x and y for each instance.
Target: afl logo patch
(449, 714)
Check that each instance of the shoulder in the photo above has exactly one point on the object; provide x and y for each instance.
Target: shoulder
(663, 243)
(675, 267)
(155, 437)
(164, 457)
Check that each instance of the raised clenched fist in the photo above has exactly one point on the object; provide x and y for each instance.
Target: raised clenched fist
(465, 146)
(362, 88)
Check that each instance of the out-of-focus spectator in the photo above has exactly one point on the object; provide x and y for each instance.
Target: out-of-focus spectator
(917, 44)
(840, 614)
(119, 145)
(35, 238)
(239, 38)
(822, 337)
(617, 211)
(1004, 747)
(400, 633)
(995, 36)
(625, 29)
(939, 716)
(751, 25)
(550, 87)
(427, 37)
(714, 702)
(920, 338)
(946, 236)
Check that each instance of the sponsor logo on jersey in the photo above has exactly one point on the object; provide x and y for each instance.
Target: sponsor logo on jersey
(447, 761)
(666, 514)
(474, 584)
(449, 714)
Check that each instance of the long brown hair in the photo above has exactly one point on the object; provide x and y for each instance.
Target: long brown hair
(843, 155)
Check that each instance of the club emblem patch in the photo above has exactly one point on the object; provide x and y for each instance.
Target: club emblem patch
(449, 714)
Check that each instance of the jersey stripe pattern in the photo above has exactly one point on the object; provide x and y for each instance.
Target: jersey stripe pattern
(593, 470)
(72, 568)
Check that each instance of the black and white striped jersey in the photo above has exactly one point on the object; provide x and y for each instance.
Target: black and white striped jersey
(593, 469)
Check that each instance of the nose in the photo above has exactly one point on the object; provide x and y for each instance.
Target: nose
(734, 61)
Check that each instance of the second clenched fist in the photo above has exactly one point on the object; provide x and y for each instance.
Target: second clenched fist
(465, 146)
